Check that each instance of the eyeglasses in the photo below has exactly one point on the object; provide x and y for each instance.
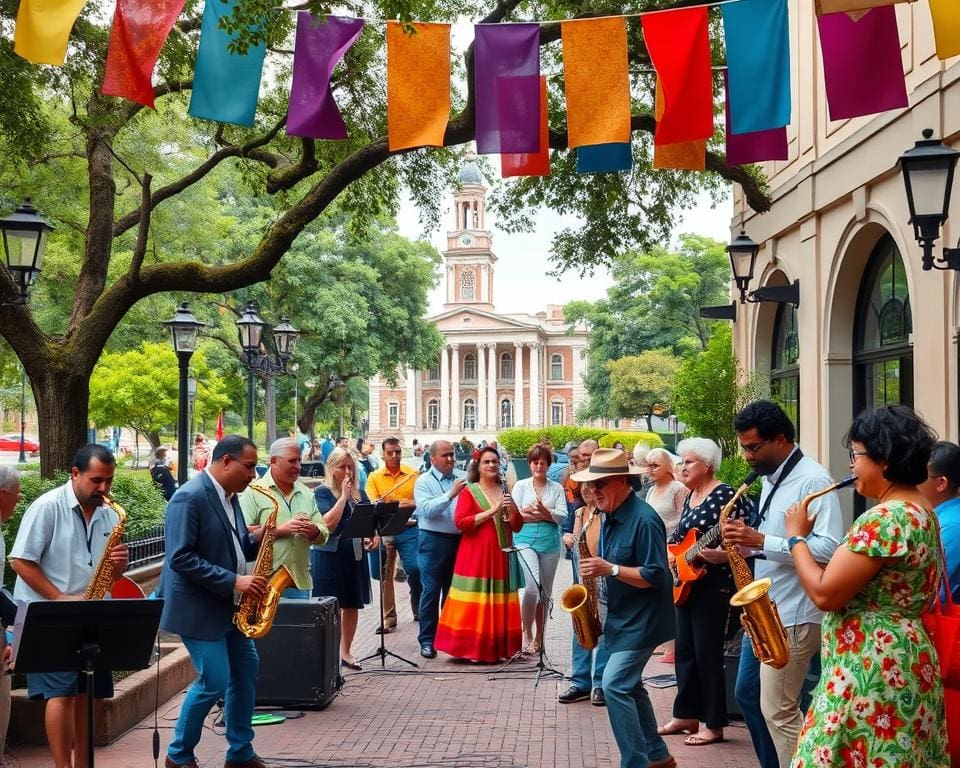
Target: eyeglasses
(247, 464)
(598, 485)
(652, 466)
(398, 452)
(854, 454)
(752, 449)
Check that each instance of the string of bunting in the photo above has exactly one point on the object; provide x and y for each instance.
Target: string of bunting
(859, 43)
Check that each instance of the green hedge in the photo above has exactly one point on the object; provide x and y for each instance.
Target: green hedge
(733, 470)
(630, 439)
(519, 440)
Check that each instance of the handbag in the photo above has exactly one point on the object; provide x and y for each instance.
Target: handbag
(942, 623)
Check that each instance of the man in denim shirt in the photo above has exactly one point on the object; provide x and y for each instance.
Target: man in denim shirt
(636, 606)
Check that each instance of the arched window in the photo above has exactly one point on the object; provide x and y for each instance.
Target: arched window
(785, 356)
(469, 414)
(434, 373)
(882, 356)
(506, 366)
(433, 414)
(468, 285)
(556, 367)
(556, 413)
(506, 413)
(470, 366)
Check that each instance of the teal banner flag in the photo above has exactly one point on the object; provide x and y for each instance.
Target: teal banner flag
(604, 158)
(225, 84)
(758, 64)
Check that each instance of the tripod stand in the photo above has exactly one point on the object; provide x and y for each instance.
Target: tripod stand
(542, 667)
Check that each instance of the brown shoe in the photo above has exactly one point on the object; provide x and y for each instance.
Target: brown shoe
(253, 762)
(667, 762)
(168, 763)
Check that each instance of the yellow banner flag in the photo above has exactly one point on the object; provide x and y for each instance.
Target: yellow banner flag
(596, 81)
(946, 27)
(43, 29)
(682, 156)
(418, 85)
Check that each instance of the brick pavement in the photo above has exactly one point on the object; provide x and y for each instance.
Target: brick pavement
(445, 714)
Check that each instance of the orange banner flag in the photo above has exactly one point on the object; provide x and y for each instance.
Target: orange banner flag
(43, 29)
(946, 27)
(683, 156)
(596, 81)
(418, 85)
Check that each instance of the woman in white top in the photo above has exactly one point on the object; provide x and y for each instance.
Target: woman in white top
(543, 507)
(666, 495)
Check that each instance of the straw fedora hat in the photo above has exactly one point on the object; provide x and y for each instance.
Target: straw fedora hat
(605, 462)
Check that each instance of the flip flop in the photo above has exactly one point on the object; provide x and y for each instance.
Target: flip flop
(695, 740)
(675, 731)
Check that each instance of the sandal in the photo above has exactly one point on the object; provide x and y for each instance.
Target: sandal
(668, 730)
(354, 665)
(696, 740)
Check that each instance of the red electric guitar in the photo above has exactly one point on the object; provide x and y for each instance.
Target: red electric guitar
(684, 570)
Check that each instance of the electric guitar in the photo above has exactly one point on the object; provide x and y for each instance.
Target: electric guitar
(683, 570)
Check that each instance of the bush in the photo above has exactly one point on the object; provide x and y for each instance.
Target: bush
(519, 440)
(733, 470)
(630, 439)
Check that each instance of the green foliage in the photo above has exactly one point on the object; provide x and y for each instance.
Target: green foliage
(642, 384)
(734, 470)
(630, 439)
(518, 440)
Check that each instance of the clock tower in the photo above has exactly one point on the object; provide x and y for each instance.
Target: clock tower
(469, 260)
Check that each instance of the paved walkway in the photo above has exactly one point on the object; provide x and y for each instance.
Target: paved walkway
(444, 714)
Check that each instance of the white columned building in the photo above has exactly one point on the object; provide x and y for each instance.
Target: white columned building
(444, 389)
(455, 422)
(482, 420)
(535, 420)
(411, 409)
(518, 419)
(493, 412)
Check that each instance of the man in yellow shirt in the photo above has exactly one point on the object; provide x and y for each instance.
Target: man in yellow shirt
(299, 524)
(395, 482)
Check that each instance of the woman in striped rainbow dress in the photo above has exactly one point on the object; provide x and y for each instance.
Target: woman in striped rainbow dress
(480, 620)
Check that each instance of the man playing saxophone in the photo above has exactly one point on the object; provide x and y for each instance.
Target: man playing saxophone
(768, 697)
(59, 545)
(636, 606)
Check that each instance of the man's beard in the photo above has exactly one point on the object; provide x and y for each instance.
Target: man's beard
(764, 467)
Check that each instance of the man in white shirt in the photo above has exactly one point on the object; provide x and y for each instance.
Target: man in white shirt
(9, 497)
(769, 697)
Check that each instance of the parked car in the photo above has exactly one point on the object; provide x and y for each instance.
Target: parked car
(11, 442)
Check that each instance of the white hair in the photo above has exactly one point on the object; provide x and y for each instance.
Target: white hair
(665, 456)
(282, 445)
(8, 476)
(640, 451)
(704, 449)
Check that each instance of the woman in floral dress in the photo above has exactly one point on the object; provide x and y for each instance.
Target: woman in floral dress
(880, 700)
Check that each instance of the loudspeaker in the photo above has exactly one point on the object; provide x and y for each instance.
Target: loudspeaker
(300, 655)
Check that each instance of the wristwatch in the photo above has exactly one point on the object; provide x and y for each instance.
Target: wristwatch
(793, 540)
(615, 571)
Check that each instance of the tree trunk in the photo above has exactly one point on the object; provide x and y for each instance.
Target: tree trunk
(270, 408)
(154, 438)
(62, 400)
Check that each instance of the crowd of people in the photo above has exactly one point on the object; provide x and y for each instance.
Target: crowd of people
(653, 532)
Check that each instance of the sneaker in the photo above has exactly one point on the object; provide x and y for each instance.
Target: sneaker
(573, 694)
(597, 698)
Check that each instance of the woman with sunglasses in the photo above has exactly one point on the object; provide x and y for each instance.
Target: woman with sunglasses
(480, 620)
(880, 698)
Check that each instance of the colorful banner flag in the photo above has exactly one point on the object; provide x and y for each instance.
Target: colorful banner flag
(506, 61)
(679, 49)
(532, 163)
(760, 146)
(596, 81)
(604, 158)
(220, 427)
(856, 8)
(140, 28)
(946, 27)
(225, 84)
(418, 85)
(758, 64)
(43, 29)
(684, 156)
(862, 70)
(313, 112)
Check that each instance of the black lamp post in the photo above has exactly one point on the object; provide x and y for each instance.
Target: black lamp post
(184, 328)
(251, 327)
(24, 235)
(23, 409)
(928, 177)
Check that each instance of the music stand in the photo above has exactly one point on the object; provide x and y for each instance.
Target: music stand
(388, 520)
(86, 636)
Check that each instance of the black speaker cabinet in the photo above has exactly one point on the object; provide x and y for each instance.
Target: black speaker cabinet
(300, 655)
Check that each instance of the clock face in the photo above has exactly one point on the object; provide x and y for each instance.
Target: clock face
(466, 240)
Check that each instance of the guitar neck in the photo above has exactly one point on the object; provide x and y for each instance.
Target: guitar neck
(707, 540)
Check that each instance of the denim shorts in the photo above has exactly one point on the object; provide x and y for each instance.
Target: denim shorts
(53, 685)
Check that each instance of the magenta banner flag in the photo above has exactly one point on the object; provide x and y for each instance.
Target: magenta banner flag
(507, 85)
(755, 146)
(320, 45)
(862, 69)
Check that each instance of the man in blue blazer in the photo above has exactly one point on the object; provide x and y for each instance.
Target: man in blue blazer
(204, 574)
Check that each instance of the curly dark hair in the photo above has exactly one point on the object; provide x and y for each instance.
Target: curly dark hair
(768, 418)
(473, 471)
(895, 435)
(945, 463)
(540, 451)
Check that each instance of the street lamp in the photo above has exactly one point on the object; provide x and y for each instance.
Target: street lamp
(928, 177)
(23, 406)
(184, 328)
(250, 327)
(24, 235)
(295, 368)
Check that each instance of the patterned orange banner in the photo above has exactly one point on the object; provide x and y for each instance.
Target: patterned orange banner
(596, 81)
(418, 85)
(43, 29)
(683, 156)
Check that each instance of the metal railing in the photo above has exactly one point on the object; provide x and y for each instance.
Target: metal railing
(147, 547)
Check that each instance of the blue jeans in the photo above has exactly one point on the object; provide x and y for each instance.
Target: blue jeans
(292, 593)
(438, 553)
(582, 678)
(630, 711)
(226, 669)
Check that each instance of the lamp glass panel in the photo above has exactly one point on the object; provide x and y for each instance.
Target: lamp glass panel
(741, 263)
(928, 185)
(185, 338)
(21, 247)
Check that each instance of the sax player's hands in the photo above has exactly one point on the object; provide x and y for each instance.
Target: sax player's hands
(119, 560)
(595, 566)
(737, 532)
(256, 586)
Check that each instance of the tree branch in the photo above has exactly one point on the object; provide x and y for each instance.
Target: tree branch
(140, 249)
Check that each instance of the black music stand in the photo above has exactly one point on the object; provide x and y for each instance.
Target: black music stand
(86, 636)
(388, 520)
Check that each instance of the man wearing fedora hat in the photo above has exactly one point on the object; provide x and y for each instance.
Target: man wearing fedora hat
(636, 606)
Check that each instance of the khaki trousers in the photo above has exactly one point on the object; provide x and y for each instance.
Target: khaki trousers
(780, 690)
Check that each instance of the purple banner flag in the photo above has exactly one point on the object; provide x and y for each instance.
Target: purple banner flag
(507, 86)
(320, 45)
(756, 146)
(862, 69)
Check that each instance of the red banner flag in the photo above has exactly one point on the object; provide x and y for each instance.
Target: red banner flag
(531, 163)
(220, 427)
(679, 49)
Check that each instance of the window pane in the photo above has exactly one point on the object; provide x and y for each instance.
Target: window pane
(884, 306)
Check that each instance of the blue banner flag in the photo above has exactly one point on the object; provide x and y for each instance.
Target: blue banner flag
(604, 158)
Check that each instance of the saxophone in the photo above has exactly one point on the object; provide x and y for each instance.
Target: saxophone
(760, 618)
(102, 580)
(580, 600)
(254, 616)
